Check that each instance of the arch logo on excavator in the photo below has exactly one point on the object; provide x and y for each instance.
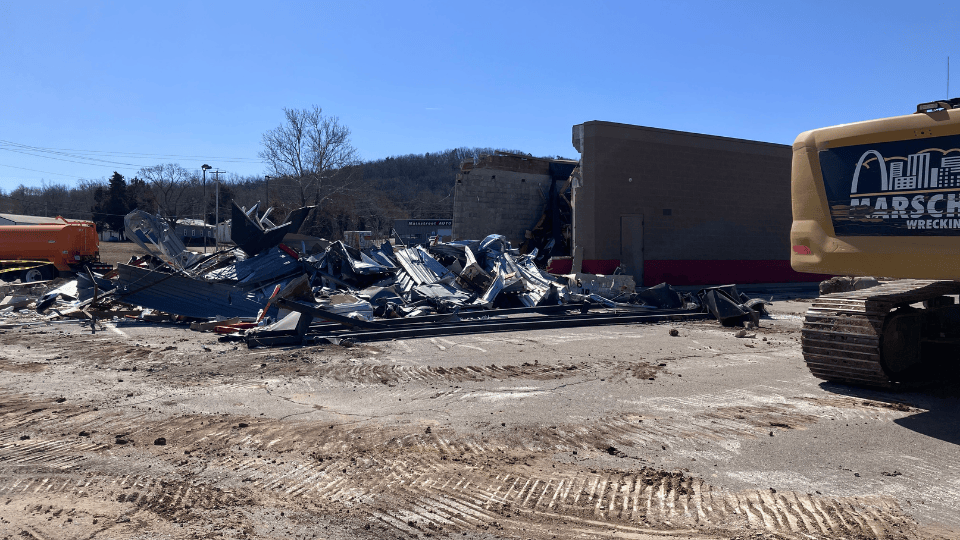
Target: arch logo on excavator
(901, 188)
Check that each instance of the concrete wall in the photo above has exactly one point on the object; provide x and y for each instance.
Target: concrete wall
(714, 209)
(499, 195)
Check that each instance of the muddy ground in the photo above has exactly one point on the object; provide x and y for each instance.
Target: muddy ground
(154, 431)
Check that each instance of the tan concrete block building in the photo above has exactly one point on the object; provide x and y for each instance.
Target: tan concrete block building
(680, 207)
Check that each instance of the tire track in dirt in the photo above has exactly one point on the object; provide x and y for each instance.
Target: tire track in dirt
(435, 496)
(423, 481)
(173, 499)
(42, 454)
(398, 373)
(441, 500)
(659, 499)
(714, 433)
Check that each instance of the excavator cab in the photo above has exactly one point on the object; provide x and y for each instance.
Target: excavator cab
(881, 198)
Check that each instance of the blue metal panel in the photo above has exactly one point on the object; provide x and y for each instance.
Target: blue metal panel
(179, 295)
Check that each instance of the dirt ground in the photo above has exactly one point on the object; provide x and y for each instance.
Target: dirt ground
(120, 252)
(154, 431)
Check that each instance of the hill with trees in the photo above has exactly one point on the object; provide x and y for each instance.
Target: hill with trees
(369, 196)
(309, 161)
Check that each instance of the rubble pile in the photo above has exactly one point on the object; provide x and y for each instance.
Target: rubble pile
(269, 290)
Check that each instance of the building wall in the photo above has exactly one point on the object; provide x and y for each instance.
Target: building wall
(193, 232)
(499, 195)
(714, 209)
(419, 231)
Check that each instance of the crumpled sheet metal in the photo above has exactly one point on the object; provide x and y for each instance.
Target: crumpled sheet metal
(270, 265)
(441, 291)
(349, 267)
(85, 286)
(421, 267)
(359, 262)
(540, 287)
(381, 295)
(359, 310)
(487, 298)
(502, 265)
(615, 287)
(147, 230)
(661, 296)
(484, 276)
(730, 306)
(383, 256)
(249, 234)
(495, 243)
(519, 274)
(455, 248)
(473, 276)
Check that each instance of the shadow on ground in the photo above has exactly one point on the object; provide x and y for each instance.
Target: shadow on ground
(935, 407)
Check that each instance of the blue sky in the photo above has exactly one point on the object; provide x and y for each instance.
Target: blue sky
(140, 83)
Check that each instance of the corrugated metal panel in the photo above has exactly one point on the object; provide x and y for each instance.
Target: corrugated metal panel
(421, 266)
(441, 291)
(383, 257)
(179, 295)
(268, 266)
(360, 264)
(538, 286)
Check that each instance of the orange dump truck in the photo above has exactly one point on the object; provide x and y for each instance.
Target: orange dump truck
(41, 252)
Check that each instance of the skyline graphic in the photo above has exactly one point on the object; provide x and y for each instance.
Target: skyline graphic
(915, 171)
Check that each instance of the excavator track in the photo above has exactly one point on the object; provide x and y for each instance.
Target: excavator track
(843, 333)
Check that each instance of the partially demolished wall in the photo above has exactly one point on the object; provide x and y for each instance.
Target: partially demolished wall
(504, 193)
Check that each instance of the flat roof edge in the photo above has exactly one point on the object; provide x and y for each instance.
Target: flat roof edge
(681, 133)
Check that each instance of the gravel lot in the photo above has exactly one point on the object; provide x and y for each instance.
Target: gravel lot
(152, 431)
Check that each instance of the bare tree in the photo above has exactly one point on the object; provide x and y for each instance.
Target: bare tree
(313, 151)
(170, 184)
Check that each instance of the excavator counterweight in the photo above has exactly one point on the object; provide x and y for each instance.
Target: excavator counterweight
(881, 198)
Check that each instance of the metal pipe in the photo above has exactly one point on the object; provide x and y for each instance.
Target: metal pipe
(399, 330)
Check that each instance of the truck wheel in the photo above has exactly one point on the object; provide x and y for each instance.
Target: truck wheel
(41, 273)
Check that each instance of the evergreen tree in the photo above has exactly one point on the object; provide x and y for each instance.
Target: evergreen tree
(111, 206)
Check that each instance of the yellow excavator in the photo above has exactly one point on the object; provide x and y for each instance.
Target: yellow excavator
(881, 198)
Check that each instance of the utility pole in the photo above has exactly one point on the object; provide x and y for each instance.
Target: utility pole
(266, 199)
(216, 226)
(203, 209)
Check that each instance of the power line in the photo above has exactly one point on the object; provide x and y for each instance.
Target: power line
(35, 170)
(70, 160)
(65, 152)
(90, 161)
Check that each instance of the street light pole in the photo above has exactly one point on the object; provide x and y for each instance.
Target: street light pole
(203, 210)
(267, 198)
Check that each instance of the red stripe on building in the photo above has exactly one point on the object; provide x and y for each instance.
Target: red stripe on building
(721, 272)
(697, 272)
